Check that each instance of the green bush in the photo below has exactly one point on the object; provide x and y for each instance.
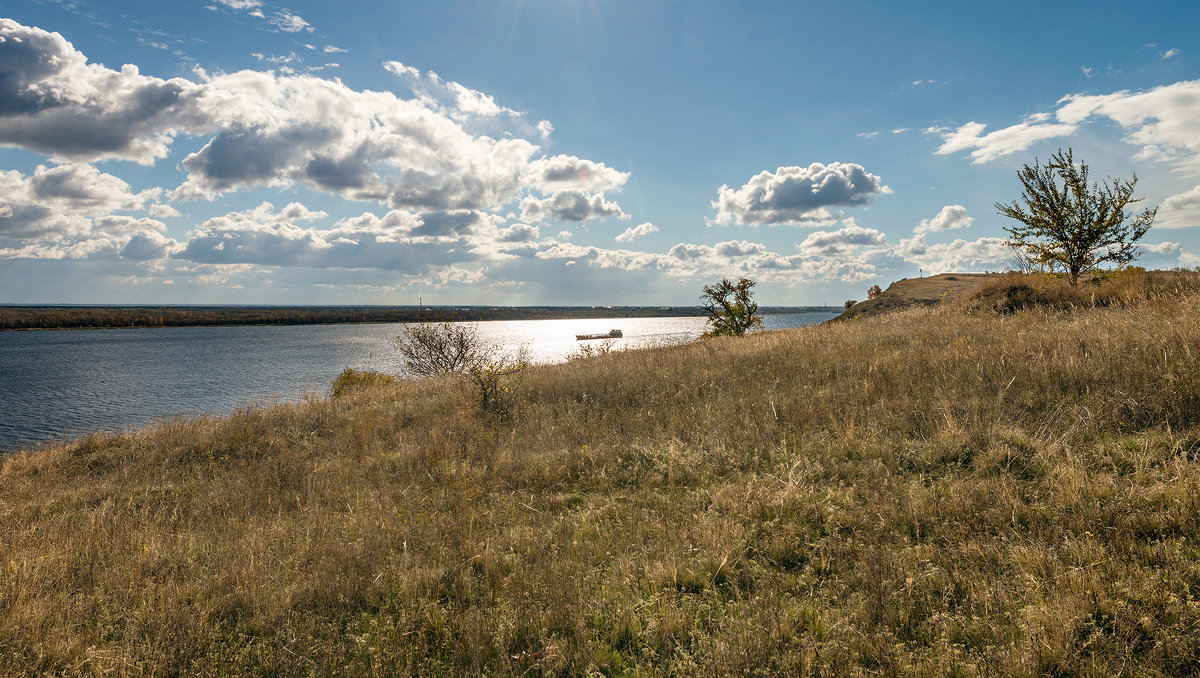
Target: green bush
(352, 380)
(731, 308)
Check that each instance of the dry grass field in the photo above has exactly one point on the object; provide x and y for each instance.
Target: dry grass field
(988, 487)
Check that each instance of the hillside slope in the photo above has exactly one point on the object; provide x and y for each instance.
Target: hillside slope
(917, 292)
(925, 493)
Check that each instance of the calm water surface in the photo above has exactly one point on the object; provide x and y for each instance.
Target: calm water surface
(61, 383)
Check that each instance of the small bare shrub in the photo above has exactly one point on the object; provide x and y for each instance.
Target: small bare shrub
(442, 348)
(849, 303)
(454, 348)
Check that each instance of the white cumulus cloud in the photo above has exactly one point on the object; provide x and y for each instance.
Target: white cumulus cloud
(163, 211)
(738, 248)
(518, 233)
(982, 254)
(567, 172)
(1164, 122)
(279, 130)
(1002, 142)
(61, 201)
(475, 111)
(839, 241)
(1180, 211)
(634, 232)
(950, 218)
(413, 244)
(147, 245)
(797, 195)
(430, 159)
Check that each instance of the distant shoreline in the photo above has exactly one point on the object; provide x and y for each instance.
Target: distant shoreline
(71, 317)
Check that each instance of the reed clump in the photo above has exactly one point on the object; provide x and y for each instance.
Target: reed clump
(936, 491)
(351, 379)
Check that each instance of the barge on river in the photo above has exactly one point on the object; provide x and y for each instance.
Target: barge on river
(611, 334)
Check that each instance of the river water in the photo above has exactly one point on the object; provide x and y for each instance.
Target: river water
(55, 384)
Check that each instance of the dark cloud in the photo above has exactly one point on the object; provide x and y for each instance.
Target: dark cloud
(28, 56)
(347, 174)
(274, 245)
(570, 206)
(448, 224)
(81, 188)
(246, 157)
(420, 190)
(52, 101)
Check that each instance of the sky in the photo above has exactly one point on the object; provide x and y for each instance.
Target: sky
(564, 152)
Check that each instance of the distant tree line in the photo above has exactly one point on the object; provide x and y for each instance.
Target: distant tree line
(98, 317)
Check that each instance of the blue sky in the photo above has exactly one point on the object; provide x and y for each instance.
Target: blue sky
(563, 151)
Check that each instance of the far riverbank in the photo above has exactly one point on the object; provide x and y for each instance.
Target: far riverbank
(54, 317)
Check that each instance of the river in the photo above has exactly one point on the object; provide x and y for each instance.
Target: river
(56, 384)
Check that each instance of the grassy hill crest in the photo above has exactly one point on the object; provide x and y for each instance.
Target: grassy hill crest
(916, 292)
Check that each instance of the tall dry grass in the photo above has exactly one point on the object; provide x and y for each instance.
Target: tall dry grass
(1015, 291)
(931, 492)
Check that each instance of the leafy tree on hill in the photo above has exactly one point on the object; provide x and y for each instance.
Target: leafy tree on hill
(1065, 224)
(731, 308)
